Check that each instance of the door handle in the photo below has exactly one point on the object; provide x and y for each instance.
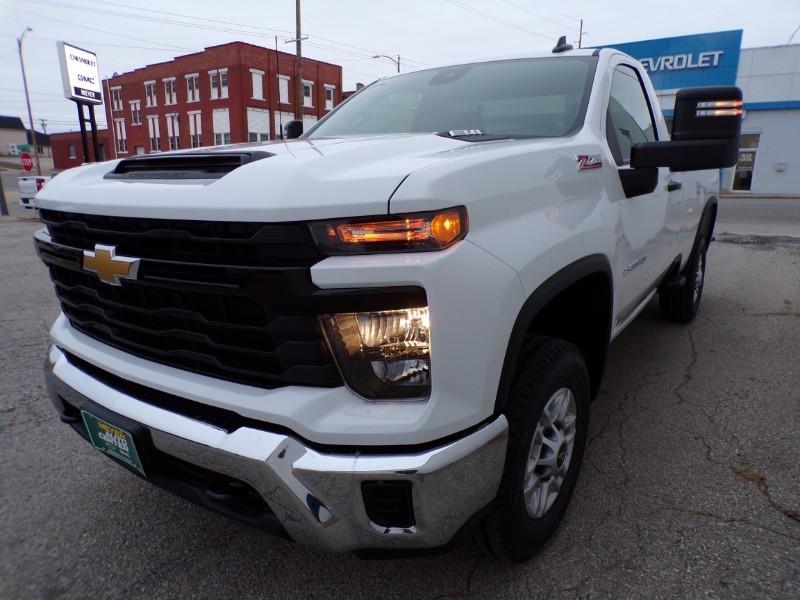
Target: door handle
(673, 186)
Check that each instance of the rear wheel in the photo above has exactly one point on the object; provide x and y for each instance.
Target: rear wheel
(548, 415)
(681, 303)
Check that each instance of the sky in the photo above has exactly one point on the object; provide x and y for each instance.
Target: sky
(128, 34)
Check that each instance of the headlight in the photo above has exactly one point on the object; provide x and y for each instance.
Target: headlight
(435, 230)
(383, 355)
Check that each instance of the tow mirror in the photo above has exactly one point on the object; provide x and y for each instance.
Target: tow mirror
(294, 129)
(705, 132)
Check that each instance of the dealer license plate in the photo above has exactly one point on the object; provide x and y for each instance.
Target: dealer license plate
(112, 440)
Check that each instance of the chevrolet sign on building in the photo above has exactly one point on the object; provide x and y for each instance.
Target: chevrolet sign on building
(770, 80)
(689, 60)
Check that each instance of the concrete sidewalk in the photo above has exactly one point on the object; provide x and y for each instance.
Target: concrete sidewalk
(15, 211)
(759, 215)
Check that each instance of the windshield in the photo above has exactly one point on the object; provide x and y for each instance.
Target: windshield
(537, 97)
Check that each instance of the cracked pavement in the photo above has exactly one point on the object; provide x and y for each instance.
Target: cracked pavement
(690, 488)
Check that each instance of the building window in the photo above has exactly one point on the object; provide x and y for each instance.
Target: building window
(155, 133)
(150, 94)
(223, 81)
(219, 83)
(173, 131)
(195, 129)
(222, 126)
(116, 98)
(170, 91)
(213, 77)
(121, 135)
(329, 96)
(257, 125)
(258, 84)
(283, 89)
(193, 88)
(73, 151)
(308, 93)
(136, 112)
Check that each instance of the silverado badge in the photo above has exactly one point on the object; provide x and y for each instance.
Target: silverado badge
(109, 267)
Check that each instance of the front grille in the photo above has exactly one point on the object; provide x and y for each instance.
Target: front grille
(208, 242)
(228, 300)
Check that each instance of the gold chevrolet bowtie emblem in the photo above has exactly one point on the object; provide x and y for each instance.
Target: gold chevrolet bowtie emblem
(109, 267)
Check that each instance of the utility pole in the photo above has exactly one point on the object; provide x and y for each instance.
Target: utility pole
(298, 68)
(44, 128)
(278, 83)
(20, 39)
(580, 36)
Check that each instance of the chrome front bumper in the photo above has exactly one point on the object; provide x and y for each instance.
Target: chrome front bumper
(316, 496)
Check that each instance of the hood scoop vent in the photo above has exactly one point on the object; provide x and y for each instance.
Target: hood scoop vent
(189, 165)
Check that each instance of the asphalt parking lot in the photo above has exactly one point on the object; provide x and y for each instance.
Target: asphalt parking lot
(691, 486)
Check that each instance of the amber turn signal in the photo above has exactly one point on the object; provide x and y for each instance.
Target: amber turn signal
(434, 230)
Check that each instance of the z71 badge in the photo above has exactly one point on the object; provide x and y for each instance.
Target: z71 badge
(589, 161)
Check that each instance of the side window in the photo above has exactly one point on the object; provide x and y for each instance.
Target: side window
(629, 120)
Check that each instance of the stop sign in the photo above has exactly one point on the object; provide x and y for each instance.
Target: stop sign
(26, 161)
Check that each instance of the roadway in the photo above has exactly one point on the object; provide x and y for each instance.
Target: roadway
(689, 488)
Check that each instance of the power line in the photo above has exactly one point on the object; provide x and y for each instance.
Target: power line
(165, 21)
(192, 26)
(41, 16)
(92, 43)
(535, 14)
(245, 25)
(487, 15)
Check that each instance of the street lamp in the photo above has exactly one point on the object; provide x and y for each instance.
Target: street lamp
(395, 61)
(28, 100)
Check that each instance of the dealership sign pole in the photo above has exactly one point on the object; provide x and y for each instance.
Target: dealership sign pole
(81, 78)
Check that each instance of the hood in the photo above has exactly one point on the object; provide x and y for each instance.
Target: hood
(303, 179)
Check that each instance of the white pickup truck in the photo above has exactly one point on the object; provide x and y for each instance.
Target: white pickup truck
(388, 331)
(29, 186)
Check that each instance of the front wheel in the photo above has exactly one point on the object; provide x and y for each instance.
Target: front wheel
(548, 415)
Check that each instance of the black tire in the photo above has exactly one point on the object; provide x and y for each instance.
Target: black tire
(546, 366)
(681, 303)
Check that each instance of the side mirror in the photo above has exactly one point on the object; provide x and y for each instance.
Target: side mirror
(294, 129)
(705, 132)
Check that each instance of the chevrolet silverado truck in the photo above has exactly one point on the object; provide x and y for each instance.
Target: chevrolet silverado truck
(386, 331)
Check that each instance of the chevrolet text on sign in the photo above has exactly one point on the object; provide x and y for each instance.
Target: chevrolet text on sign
(80, 74)
(682, 61)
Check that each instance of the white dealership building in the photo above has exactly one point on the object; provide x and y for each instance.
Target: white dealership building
(769, 156)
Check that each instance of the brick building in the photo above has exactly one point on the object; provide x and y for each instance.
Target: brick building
(231, 93)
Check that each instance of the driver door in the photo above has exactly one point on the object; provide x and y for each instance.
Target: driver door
(650, 222)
